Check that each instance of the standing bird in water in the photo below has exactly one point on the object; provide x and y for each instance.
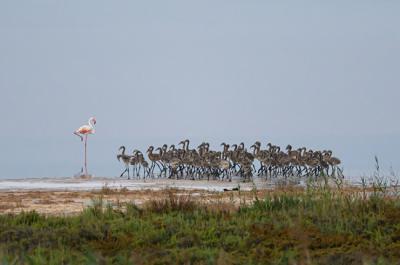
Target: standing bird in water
(85, 130)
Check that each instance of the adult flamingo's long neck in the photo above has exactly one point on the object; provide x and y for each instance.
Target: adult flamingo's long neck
(91, 124)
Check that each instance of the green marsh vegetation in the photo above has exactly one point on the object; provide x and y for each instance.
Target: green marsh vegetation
(318, 224)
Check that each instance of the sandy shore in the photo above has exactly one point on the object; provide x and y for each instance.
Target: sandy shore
(65, 196)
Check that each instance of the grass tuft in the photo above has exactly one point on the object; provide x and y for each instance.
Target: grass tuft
(173, 202)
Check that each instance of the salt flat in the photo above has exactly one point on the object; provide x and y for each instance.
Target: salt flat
(96, 183)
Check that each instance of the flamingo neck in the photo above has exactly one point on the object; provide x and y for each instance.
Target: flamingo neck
(91, 123)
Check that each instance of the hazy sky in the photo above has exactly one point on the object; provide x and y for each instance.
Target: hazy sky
(309, 73)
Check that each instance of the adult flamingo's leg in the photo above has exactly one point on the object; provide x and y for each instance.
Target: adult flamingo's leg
(86, 173)
(77, 134)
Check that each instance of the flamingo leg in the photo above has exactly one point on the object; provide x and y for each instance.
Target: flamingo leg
(123, 172)
(77, 134)
(86, 173)
(159, 167)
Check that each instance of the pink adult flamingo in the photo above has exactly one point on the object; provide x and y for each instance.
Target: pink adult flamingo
(85, 130)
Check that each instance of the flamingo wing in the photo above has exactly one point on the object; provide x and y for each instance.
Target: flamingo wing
(85, 129)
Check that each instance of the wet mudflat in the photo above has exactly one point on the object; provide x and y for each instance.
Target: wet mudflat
(77, 184)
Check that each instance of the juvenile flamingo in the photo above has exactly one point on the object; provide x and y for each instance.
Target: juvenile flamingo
(85, 130)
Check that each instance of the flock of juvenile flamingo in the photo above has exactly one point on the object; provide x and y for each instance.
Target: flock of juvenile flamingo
(182, 162)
